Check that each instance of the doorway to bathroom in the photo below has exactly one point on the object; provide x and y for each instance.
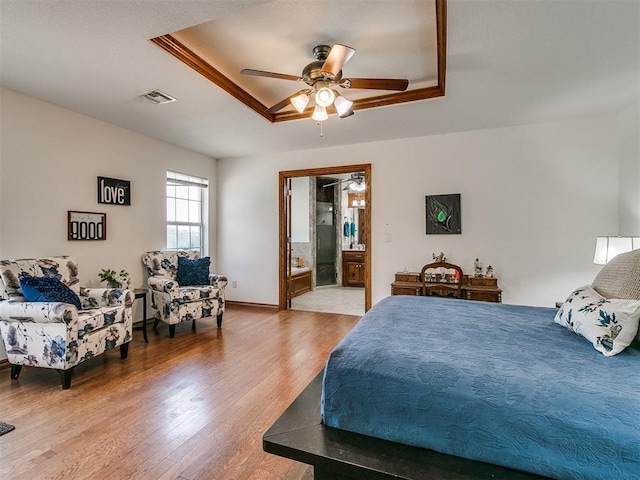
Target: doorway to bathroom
(325, 217)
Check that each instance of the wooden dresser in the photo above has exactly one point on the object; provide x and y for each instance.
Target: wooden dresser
(482, 289)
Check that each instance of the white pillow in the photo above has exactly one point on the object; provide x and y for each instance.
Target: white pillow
(610, 324)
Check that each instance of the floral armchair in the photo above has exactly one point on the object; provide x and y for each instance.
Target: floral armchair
(174, 302)
(56, 334)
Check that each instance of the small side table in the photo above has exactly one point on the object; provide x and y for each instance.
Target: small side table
(142, 293)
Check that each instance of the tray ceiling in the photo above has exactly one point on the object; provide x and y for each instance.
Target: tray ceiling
(407, 42)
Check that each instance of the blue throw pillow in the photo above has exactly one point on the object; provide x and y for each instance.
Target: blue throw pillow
(47, 289)
(193, 272)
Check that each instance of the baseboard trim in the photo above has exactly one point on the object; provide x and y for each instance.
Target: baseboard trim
(251, 304)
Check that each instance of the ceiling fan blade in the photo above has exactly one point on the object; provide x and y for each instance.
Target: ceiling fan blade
(279, 106)
(331, 184)
(346, 181)
(283, 103)
(262, 73)
(399, 84)
(348, 184)
(338, 56)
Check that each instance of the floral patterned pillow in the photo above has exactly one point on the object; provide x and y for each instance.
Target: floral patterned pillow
(610, 324)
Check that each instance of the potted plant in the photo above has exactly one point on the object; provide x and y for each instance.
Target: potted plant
(115, 279)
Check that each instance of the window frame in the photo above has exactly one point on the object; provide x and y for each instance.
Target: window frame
(176, 179)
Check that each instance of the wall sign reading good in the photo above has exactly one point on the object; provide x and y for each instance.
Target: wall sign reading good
(113, 191)
(87, 226)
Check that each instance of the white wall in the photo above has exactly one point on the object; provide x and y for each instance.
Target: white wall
(533, 200)
(629, 146)
(300, 210)
(50, 159)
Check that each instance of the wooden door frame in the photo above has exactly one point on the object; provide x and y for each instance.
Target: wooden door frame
(315, 172)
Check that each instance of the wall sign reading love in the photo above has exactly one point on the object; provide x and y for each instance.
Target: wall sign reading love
(113, 191)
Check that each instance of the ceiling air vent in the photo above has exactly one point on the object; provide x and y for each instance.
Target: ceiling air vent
(158, 97)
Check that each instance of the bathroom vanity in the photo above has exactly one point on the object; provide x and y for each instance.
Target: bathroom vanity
(353, 268)
(300, 281)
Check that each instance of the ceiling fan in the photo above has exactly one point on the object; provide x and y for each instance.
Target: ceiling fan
(322, 76)
(355, 183)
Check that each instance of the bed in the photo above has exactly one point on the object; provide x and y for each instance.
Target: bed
(426, 387)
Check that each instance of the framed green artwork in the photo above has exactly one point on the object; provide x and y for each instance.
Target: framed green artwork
(443, 214)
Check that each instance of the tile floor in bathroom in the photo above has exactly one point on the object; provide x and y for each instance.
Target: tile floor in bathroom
(331, 299)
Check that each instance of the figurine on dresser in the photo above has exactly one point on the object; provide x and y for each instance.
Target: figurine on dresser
(477, 269)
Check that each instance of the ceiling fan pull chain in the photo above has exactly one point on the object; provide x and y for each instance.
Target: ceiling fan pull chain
(321, 132)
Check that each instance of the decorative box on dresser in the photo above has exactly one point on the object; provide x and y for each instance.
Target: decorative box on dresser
(407, 283)
(483, 289)
(353, 268)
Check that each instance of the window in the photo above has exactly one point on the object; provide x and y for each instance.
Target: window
(186, 212)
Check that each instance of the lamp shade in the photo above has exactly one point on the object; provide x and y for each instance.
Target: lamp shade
(319, 114)
(609, 247)
(357, 186)
(300, 102)
(325, 97)
(342, 106)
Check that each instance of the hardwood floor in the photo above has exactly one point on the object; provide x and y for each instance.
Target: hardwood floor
(191, 407)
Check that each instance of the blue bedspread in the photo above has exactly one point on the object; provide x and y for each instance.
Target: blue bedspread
(497, 383)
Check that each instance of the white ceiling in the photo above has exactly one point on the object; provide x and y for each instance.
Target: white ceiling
(402, 43)
(509, 62)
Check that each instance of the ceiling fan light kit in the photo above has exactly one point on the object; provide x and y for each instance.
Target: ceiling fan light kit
(322, 75)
